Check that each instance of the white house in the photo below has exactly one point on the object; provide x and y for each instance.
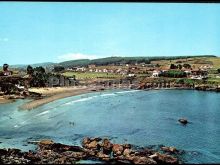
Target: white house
(156, 73)
(81, 69)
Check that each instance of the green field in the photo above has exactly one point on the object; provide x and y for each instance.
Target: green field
(197, 61)
(91, 75)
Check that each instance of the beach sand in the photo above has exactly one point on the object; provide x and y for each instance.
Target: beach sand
(4, 100)
(53, 94)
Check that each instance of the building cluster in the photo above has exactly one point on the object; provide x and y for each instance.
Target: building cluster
(200, 73)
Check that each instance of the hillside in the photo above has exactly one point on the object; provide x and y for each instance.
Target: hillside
(109, 61)
(123, 60)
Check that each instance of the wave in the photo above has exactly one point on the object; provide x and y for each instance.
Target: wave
(127, 91)
(42, 113)
(80, 100)
(102, 95)
(108, 94)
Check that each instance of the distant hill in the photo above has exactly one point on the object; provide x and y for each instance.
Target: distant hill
(24, 66)
(122, 60)
(108, 61)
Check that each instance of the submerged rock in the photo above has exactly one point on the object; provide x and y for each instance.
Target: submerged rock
(183, 121)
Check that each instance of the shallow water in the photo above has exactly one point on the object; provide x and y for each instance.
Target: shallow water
(138, 117)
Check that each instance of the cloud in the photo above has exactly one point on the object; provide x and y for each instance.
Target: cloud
(4, 39)
(75, 56)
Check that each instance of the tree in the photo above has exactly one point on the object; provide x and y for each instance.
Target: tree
(39, 69)
(187, 66)
(58, 68)
(172, 66)
(5, 67)
(179, 66)
(30, 70)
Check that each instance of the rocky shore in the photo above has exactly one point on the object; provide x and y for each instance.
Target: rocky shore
(98, 149)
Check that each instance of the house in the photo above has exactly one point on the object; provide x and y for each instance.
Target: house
(156, 73)
(105, 70)
(91, 66)
(81, 69)
(69, 69)
(199, 74)
(131, 75)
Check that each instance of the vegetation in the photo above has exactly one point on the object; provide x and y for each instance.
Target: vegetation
(91, 75)
(58, 68)
(122, 60)
(185, 81)
(39, 76)
(173, 74)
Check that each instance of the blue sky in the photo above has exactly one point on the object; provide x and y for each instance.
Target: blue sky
(33, 32)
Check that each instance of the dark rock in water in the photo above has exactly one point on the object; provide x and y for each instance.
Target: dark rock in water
(143, 160)
(164, 158)
(49, 152)
(117, 149)
(107, 146)
(171, 150)
(183, 121)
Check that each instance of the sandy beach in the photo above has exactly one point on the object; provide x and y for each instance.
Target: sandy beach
(52, 94)
(4, 100)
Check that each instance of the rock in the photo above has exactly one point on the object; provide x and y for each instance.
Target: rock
(46, 142)
(93, 145)
(127, 146)
(153, 156)
(143, 160)
(106, 146)
(183, 121)
(117, 149)
(171, 150)
(103, 156)
(85, 142)
(163, 158)
(96, 139)
(127, 152)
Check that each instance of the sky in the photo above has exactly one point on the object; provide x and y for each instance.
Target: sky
(35, 32)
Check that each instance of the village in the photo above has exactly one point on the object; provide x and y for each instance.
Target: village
(126, 75)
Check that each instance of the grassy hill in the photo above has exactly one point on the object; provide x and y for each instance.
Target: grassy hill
(123, 60)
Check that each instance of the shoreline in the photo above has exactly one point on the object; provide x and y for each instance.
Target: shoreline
(51, 96)
(5, 101)
(56, 93)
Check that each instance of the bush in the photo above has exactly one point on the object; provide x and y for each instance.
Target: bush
(174, 74)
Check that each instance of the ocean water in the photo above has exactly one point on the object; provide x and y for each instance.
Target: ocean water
(138, 117)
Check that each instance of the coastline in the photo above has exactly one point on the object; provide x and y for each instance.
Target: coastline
(5, 101)
(52, 94)
(55, 93)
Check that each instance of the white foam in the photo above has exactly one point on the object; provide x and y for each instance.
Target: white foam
(42, 113)
(128, 91)
(79, 100)
(108, 94)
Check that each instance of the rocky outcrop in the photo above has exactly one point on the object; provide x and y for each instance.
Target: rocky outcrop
(49, 152)
(183, 121)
